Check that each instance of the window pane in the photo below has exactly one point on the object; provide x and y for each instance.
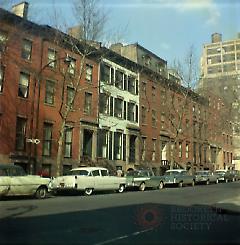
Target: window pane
(47, 141)
(26, 49)
(89, 71)
(70, 96)
(52, 54)
(49, 96)
(23, 85)
(1, 78)
(88, 103)
(20, 133)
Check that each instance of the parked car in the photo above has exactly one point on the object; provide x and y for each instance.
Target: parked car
(178, 177)
(142, 179)
(225, 175)
(15, 182)
(236, 174)
(88, 180)
(206, 176)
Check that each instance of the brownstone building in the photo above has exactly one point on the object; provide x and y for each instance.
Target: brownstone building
(115, 109)
(39, 73)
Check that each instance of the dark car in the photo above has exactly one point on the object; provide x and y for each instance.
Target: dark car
(225, 175)
(142, 179)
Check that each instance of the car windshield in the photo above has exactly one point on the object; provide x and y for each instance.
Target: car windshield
(172, 173)
(202, 173)
(136, 173)
(79, 172)
(220, 172)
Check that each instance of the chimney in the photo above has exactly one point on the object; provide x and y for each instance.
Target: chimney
(216, 37)
(21, 9)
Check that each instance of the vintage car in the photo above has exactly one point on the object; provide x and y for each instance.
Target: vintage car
(178, 177)
(236, 174)
(15, 182)
(142, 179)
(225, 175)
(206, 176)
(88, 180)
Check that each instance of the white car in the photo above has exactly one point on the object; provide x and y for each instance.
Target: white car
(88, 179)
(15, 182)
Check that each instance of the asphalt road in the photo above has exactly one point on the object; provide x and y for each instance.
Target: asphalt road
(190, 215)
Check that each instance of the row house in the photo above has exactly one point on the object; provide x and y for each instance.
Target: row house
(115, 107)
(45, 86)
(176, 123)
(118, 135)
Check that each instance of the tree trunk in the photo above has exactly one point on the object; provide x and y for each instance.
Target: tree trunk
(60, 150)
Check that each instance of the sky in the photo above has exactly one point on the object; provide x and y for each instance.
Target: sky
(167, 28)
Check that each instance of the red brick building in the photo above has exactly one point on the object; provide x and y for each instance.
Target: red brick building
(43, 79)
(39, 69)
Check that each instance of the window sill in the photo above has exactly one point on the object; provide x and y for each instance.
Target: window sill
(51, 105)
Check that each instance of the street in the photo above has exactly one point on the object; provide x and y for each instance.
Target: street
(190, 215)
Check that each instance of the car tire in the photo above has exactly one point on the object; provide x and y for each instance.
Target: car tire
(41, 192)
(207, 182)
(161, 185)
(88, 191)
(121, 188)
(142, 187)
(180, 184)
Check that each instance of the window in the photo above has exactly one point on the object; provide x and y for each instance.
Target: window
(131, 112)
(180, 149)
(119, 79)
(26, 49)
(105, 73)
(52, 56)
(2, 69)
(154, 149)
(117, 146)
(89, 73)
(102, 143)
(104, 103)
(23, 86)
(118, 107)
(154, 120)
(95, 173)
(3, 40)
(70, 96)
(49, 94)
(20, 133)
(144, 88)
(131, 85)
(88, 103)
(47, 139)
(68, 142)
(144, 114)
(72, 66)
(143, 149)
(153, 93)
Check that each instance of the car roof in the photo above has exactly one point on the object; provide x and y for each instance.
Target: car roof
(176, 170)
(89, 168)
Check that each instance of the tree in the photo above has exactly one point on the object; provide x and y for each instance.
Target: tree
(91, 22)
(182, 81)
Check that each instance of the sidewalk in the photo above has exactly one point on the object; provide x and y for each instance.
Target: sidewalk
(231, 205)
